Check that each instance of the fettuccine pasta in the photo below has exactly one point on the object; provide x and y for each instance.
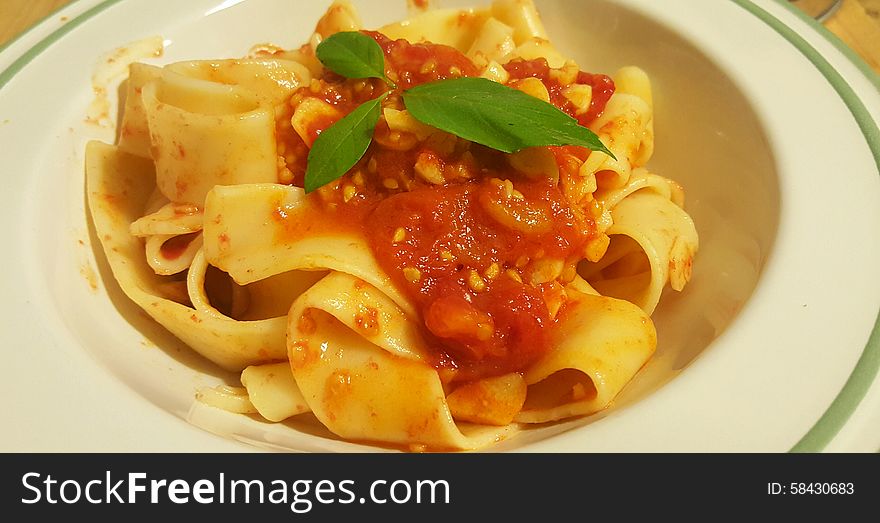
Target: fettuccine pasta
(440, 295)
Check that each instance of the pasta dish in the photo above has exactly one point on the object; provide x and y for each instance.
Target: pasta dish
(428, 235)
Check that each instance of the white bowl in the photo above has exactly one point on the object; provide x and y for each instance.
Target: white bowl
(771, 129)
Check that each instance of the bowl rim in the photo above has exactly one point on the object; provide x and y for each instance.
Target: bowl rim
(50, 30)
(866, 369)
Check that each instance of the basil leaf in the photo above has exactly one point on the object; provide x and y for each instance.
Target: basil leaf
(496, 116)
(340, 146)
(352, 55)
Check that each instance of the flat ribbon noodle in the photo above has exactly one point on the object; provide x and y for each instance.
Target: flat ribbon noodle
(371, 384)
(118, 186)
(205, 134)
(134, 133)
(273, 392)
(171, 219)
(270, 78)
(626, 127)
(599, 344)
(653, 242)
(508, 29)
(253, 231)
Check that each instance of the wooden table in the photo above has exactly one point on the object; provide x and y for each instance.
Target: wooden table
(857, 23)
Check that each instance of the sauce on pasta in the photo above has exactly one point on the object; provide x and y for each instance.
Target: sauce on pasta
(475, 244)
(602, 86)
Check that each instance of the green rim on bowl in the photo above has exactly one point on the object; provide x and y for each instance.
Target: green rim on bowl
(866, 369)
(43, 44)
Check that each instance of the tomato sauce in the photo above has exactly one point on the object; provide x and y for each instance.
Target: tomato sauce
(479, 248)
(602, 85)
(460, 266)
(414, 64)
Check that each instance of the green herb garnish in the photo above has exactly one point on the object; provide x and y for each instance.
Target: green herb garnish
(496, 116)
(341, 145)
(353, 55)
(475, 109)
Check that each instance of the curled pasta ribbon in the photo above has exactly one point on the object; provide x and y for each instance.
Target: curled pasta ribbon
(119, 185)
(653, 242)
(507, 29)
(268, 390)
(134, 131)
(626, 127)
(351, 353)
(170, 219)
(271, 79)
(255, 231)
(361, 365)
(191, 123)
(230, 399)
(171, 233)
(600, 344)
(273, 392)
(198, 294)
